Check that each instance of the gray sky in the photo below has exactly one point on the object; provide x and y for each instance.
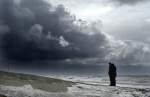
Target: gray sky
(120, 18)
(75, 32)
(123, 20)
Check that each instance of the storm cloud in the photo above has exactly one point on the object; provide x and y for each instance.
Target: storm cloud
(39, 31)
(34, 30)
(128, 2)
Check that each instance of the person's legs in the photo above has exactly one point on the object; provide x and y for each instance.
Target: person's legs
(112, 81)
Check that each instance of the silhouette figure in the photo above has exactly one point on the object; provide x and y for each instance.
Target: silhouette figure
(112, 74)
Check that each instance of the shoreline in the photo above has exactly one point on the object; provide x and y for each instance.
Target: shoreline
(38, 86)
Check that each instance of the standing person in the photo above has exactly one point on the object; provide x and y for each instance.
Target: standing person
(112, 74)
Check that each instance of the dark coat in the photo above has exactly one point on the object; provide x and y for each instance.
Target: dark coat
(112, 70)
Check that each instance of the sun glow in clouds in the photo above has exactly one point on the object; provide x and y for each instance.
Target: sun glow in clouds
(92, 12)
(86, 11)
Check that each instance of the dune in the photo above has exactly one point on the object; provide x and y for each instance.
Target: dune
(37, 82)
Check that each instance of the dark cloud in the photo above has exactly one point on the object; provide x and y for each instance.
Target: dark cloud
(39, 31)
(34, 30)
(128, 2)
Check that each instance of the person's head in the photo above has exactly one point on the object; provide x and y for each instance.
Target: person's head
(111, 64)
